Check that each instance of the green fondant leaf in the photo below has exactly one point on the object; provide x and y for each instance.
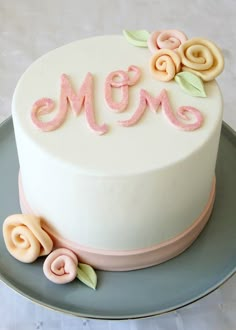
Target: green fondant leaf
(191, 84)
(87, 275)
(137, 38)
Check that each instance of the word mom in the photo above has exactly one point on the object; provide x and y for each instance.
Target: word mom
(116, 79)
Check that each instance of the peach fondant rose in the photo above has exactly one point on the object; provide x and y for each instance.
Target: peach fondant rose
(61, 266)
(164, 64)
(201, 57)
(169, 39)
(25, 238)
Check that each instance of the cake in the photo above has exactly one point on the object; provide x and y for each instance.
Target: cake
(117, 139)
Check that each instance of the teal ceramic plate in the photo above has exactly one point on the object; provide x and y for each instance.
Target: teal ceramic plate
(209, 262)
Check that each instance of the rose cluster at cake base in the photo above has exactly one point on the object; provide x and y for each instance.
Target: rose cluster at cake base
(26, 239)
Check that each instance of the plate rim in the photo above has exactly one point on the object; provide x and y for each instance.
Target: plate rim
(121, 318)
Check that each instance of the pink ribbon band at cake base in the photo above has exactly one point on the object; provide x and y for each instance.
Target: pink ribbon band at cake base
(125, 260)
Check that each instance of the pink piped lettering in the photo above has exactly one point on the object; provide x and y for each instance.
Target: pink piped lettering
(123, 82)
(84, 98)
(146, 100)
(186, 118)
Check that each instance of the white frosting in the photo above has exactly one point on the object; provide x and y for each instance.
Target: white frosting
(132, 187)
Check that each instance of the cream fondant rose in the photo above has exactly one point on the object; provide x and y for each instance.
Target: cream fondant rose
(164, 64)
(25, 238)
(61, 266)
(201, 57)
(168, 39)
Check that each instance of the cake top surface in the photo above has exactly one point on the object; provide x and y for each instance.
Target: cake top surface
(152, 142)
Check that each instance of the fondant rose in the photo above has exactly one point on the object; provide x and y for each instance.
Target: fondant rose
(61, 266)
(25, 238)
(169, 39)
(164, 64)
(201, 57)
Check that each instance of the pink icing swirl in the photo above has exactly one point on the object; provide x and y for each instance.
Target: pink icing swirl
(25, 238)
(168, 39)
(136, 75)
(84, 97)
(61, 266)
(124, 82)
(162, 99)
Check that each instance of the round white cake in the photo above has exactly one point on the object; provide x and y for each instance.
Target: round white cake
(124, 196)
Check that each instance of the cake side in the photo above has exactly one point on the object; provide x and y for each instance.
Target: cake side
(122, 260)
(138, 211)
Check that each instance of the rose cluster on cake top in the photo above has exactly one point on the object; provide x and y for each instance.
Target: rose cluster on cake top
(189, 61)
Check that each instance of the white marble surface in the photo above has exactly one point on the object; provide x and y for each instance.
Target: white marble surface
(28, 29)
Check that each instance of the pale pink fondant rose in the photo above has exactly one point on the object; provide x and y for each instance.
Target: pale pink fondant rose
(25, 238)
(168, 39)
(164, 64)
(201, 57)
(61, 266)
